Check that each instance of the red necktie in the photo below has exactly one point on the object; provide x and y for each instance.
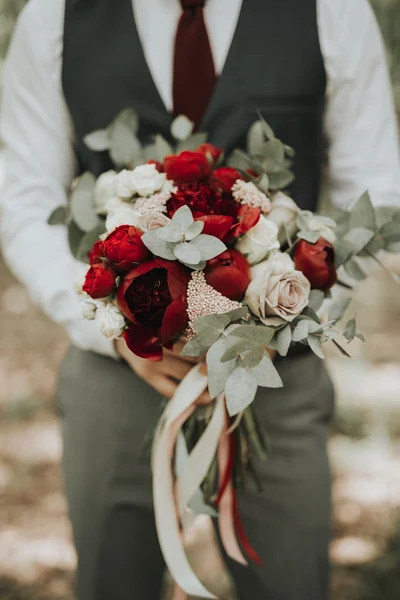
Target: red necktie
(194, 72)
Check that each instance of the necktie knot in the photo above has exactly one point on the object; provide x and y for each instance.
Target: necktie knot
(192, 4)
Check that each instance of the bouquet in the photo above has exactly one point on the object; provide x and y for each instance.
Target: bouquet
(184, 243)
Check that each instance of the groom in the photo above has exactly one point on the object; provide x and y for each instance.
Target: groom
(316, 71)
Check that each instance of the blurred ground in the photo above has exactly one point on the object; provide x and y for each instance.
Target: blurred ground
(36, 556)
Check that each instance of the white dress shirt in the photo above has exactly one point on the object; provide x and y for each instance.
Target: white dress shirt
(36, 128)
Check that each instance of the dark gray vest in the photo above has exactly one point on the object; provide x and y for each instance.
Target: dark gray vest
(274, 65)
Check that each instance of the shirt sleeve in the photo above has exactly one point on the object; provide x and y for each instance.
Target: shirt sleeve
(360, 123)
(39, 165)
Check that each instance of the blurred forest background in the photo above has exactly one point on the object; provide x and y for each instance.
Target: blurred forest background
(36, 556)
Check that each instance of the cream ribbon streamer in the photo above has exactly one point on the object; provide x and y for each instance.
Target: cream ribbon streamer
(167, 503)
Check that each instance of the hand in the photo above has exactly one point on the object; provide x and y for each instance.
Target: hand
(165, 375)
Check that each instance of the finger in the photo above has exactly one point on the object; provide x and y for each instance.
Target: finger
(204, 369)
(175, 368)
(164, 386)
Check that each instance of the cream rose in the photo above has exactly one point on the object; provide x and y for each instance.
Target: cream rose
(110, 320)
(88, 309)
(259, 240)
(104, 191)
(148, 222)
(323, 229)
(125, 215)
(277, 293)
(284, 213)
(123, 185)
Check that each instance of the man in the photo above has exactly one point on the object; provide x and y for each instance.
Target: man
(316, 71)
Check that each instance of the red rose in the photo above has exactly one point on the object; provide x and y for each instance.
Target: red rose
(317, 262)
(217, 225)
(211, 152)
(124, 247)
(153, 297)
(187, 167)
(229, 274)
(97, 253)
(222, 179)
(100, 281)
(247, 218)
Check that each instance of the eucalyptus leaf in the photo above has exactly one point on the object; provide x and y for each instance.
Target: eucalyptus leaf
(363, 214)
(188, 253)
(194, 347)
(82, 204)
(255, 333)
(163, 148)
(391, 232)
(157, 246)
(58, 216)
(263, 183)
(359, 237)
(209, 246)
(125, 148)
(385, 214)
(169, 234)
(192, 143)
(75, 236)
(98, 141)
(237, 313)
(350, 330)
(316, 299)
(182, 219)
(315, 345)
(343, 252)
(266, 374)
(194, 230)
(360, 337)
(283, 340)
(210, 327)
(338, 309)
(354, 270)
(280, 181)
(182, 128)
(129, 118)
(240, 390)
(303, 328)
(274, 150)
(255, 138)
(253, 357)
(218, 372)
(267, 129)
(235, 347)
(87, 242)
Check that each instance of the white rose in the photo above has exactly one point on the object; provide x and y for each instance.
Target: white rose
(104, 191)
(168, 188)
(126, 215)
(123, 184)
(284, 213)
(110, 320)
(277, 293)
(150, 221)
(324, 231)
(88, 309)
(259, 240)
(146, 180)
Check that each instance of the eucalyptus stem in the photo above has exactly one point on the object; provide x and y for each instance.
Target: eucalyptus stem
(251, 428)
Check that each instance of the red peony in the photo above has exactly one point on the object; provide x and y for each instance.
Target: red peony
(247, 218)
(223, 179)
(317, 262)
(153, 297)
(229, 274)
(211, 152)
(124, 247)
(100, 281)
(187, 167)
(97, 253)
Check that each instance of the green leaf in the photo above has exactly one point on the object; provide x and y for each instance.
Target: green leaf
(338, 309)
(316, 299)
(58, 216)
(273, 150)
(385, 214)
(266, 374)
(125, 148)
(240, 390)
(395, 248)
(253, 357)
(194, 347)
(315, 345)
(192, 143)
(237, 313)
(188, 253)
(343, 252)
(87, 242)
(350, 330)
(284, 339)
(74, 238)
(182, 128)
(209, 327)
(328, 335)
(360, 337)
(303, 328)
(194, 230)
(359, 237)
(263, 183)
(208, 245)
(309, 236)
(255, 138)
(280, 181)
(129, 118)
(256, 333)
(82, 203)
(169, 233)
(235, 347)
(98, 141)
(354, 270)
(182, 219)
(363, 214)
(162, 147)
(267, 129)
(218, 372)
(157, 246)
(390, 232)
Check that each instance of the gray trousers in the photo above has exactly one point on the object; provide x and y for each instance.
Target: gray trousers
(106, 413)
